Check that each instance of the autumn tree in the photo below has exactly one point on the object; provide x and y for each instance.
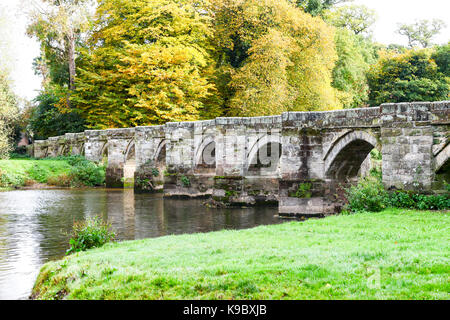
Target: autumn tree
(150, 68)
(273, 57)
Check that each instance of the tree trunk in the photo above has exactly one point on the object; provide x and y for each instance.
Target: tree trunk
(71, 58)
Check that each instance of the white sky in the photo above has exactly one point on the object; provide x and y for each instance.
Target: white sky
(390, 12)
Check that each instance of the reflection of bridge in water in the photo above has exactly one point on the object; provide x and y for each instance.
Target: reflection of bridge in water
(299, 159)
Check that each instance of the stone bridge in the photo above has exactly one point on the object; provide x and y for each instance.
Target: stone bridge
(300, 160)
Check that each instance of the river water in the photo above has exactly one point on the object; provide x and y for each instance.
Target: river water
(34, 225)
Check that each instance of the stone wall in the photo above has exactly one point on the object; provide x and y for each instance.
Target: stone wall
(301, 160)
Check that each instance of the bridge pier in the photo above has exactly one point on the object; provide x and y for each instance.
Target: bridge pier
(150, 159)
(247, 157)
(182, 177)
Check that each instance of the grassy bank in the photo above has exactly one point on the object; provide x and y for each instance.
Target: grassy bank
(61, 172)
(339, 257)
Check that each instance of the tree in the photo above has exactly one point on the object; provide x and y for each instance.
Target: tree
(8, 114)
(46, 120)
(411, 76)
(356, 54)
(58, 25)
(316, 7)
(150, 68)
(358, 19)
(421, 32)
(442, 58)
(276, 57)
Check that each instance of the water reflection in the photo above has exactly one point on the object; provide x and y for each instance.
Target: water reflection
(34, 225)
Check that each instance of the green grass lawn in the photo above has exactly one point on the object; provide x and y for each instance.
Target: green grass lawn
(61, 172)
(19, 172)
(338, 257)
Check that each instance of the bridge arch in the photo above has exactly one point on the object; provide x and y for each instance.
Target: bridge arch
(129, 167)
(65, 150)
(442, 158)
(104, 153)
(160, 153)
(82, 149)
(345, 157)
(264, 156)
(205, 155)
(130, 152)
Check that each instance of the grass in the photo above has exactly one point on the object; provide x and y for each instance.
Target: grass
(339, 257)
(61, 172)
(21, 172)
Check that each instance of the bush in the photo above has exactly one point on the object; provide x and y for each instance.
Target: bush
(88, 174)
(185, 181)
(368, 195)
(83, 172)
(63, 180)
(10, 179)
(91, 233)
(410, 200)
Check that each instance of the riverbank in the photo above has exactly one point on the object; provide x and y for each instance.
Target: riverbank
(43, 173)
(394, 254)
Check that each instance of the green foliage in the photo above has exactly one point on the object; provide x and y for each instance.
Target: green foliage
(375, 155)
(73, 171)
(356, 54)
(89, 234)
(410, 200)
(48, 121)
(11, 179)
(185, 181)
(356, 18)
(411, 76)
(368, 195)
(86, 173)
(8, 114)
(316, 7)
(442, 58)
(303, 191)
(155, 172)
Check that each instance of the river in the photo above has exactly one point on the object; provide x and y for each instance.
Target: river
(34, 225)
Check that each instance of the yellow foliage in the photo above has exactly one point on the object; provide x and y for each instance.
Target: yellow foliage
(148, 68)
(290, 60)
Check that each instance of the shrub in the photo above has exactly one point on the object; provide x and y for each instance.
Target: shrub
(368, 195)
(38, 174)
(88, 174)
(185, 181)
(411, 200)
(91, 233)
(155, 172)
(303, 191)
(11, 179)
(63, 180)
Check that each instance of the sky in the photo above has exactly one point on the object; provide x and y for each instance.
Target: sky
(23, 50)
